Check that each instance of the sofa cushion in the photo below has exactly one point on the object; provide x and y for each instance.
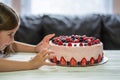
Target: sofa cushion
(111, 32)
(89, 25)
(30, 29)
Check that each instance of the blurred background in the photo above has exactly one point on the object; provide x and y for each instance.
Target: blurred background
(100, 18)
(66, 7)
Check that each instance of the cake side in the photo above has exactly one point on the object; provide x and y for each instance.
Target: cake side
(77, 52)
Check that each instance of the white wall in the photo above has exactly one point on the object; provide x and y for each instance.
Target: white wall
(17, 3)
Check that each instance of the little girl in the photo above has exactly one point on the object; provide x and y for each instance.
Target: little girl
(9, 24)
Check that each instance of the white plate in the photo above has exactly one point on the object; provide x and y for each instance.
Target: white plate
(105, 59)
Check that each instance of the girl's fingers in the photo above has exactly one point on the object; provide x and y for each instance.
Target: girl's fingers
(48, 57)
(43, 52)
(46, 52)
(48, 37)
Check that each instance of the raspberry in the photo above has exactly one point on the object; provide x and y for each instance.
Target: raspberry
(89, 43)
(69, 44)
(81, 44)
(60, 42)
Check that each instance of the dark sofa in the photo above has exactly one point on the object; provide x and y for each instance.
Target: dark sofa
(105, 27)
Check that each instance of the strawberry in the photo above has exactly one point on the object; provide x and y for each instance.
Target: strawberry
(62, 61)
(83, 62)
(73, 62)
(99, 58)
(54, 60)
(85, 38)
(98, 41)
(68, 39)
(95, 42)
(92, 60)
(91, 38)
(76, 41)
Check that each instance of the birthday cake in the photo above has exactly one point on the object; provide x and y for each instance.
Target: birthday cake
(76, 50)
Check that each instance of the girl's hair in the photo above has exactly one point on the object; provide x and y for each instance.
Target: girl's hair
(8, 20)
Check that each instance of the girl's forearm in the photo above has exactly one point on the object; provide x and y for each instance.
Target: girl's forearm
(23, 47)
(10, 65)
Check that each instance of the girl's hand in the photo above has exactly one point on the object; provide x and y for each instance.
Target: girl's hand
(44, 44)
(40, 59)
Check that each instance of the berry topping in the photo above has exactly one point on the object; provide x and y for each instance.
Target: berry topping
(81, 44)
(70, 40)
(89, 43)
(76, 41)
(64, 44)
(60, 42)
(69, 44)
(75, 44)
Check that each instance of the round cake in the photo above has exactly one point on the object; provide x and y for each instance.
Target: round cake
(76, 50)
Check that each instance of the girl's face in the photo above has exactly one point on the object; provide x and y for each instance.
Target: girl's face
(7, 38)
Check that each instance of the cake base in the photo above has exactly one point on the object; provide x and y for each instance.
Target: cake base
(104, 60)
(70, 69)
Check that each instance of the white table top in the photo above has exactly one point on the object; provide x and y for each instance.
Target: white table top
(108, 71)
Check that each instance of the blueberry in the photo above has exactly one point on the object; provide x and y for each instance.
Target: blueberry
(75, 44)
(64, 44)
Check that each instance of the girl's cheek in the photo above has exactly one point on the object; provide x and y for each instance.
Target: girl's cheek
(10, 41)
(7, 42)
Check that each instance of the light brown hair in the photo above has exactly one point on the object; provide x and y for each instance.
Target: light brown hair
(8, 20)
